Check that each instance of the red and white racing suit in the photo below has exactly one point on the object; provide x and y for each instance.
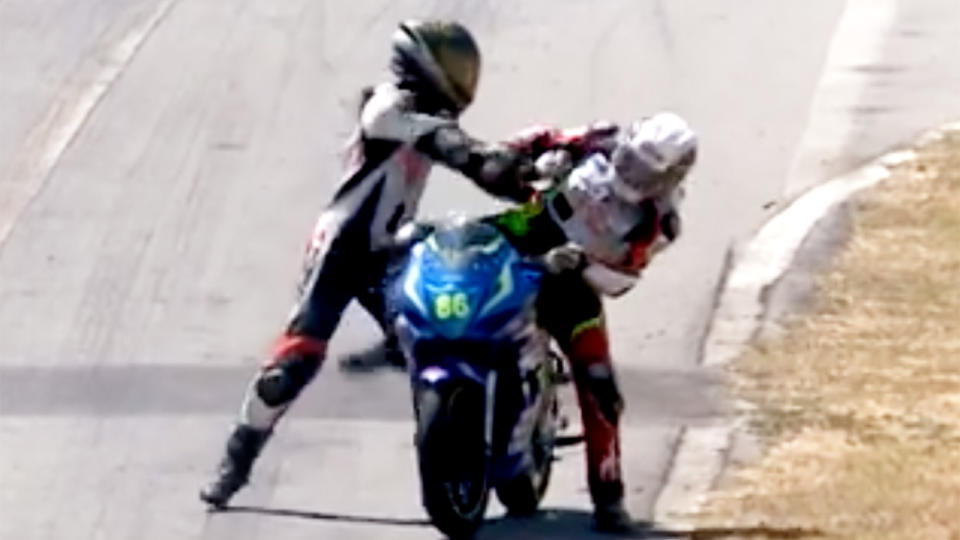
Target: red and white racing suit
(619, 241)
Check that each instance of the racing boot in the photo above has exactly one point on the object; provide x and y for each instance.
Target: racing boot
(612, 518)
(609, 513)
(243, 447)
(384, 354)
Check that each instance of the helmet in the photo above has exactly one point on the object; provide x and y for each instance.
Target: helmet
(653, 156)
(616, 209)
(441, 55)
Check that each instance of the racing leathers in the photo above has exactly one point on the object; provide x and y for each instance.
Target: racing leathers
(400, 134)
(612, 243)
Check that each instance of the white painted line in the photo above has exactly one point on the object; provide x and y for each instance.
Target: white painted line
(766, 257)
(857, 43)
(701, 452)
(769, 254)
(51, 137)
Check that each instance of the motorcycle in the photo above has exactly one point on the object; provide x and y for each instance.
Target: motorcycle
(483, 376)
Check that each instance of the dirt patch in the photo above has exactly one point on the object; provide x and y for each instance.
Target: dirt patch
(859, 402)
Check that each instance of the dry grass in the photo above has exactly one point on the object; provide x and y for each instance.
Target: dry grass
(860, 402)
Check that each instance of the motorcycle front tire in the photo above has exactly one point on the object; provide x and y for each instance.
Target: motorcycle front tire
(452, 458)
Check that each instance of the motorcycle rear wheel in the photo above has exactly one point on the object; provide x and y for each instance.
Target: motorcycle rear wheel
(521, 495)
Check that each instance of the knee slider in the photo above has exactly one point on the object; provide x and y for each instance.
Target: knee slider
(281, 384)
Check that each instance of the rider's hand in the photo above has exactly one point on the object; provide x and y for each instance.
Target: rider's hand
(554, 164)
(508, 173)
(565, 258)
(609, 281)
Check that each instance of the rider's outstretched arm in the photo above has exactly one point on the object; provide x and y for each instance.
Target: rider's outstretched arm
(497, 169)
(390, 114)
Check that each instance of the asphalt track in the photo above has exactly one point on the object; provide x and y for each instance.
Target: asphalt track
(162, 161)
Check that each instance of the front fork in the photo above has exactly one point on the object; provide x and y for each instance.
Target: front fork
(438, 376)
(489, 412)
(531, 415)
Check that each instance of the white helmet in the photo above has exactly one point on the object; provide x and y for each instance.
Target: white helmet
(653, 156)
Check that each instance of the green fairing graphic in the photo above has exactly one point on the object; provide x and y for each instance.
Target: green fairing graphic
(517, 221)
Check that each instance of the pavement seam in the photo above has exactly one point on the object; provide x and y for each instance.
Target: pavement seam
(703, 452)
(66, 117)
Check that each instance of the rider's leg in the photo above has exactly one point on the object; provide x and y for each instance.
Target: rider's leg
(386, 352)
(575, 319)
(296, 358)
(600, 408)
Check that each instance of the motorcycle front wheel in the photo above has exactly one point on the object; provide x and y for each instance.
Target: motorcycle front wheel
(452, 457)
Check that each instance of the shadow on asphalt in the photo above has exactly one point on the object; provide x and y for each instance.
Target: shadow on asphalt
(325, 516)
(563, 525)
(546, 525)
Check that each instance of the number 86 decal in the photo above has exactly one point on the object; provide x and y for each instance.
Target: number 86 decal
(454, 305)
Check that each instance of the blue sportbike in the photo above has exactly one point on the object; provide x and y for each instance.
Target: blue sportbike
(484, 378)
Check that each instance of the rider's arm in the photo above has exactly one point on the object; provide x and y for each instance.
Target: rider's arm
(608, 281)
(505, 169)
(649, 239)
(578, 142)
(603, 277)
(389, 114)
(496, 169)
